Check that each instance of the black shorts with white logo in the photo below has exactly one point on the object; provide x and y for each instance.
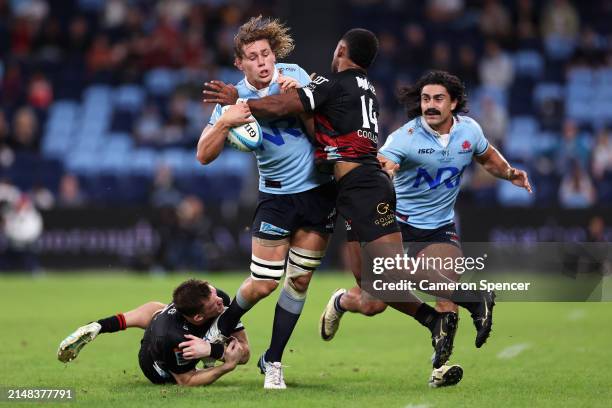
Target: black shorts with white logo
(417, 239)
(147, 365)
(366, 200)
(279, 215)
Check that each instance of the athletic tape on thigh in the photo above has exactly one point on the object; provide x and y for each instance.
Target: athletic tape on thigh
(302, 261)
(271, 243)
(263, 269)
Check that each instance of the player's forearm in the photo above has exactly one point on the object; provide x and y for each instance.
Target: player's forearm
(209, 375)
(495, 164)
(211, 142)
(274, 106)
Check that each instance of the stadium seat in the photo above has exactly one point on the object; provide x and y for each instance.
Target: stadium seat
(129, 98)
(160, 81)
(510, 195)
(547, 91)
(529, 63)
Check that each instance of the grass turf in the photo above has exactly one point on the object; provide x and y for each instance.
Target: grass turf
(540, 354)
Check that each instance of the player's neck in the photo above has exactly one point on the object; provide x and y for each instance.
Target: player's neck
(344, 64)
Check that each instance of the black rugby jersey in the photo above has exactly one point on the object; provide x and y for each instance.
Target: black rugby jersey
(345, 111)
(167, 330)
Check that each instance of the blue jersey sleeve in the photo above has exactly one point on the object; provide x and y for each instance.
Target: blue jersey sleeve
(303, 77)
(481, 143)
(395, 146)
(215, 115)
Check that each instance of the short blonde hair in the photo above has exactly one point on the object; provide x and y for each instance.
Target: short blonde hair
(259, 28)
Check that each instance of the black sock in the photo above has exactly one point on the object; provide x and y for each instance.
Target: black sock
(230, 318)
(426, 315)
(113, 323)
(284, 323)
(337, 304)
(469, 299)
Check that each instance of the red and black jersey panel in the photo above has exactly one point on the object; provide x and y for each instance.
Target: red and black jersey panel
(345, 116)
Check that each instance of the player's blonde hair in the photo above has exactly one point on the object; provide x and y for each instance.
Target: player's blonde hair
(260, 28)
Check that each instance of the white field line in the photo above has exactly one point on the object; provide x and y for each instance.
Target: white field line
(513, 351)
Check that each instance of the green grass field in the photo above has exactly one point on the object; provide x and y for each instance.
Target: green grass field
(540, 354)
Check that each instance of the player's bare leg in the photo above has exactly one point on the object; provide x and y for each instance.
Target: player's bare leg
(442, 251)
(140, 317)
(267, 268)
(441, 325)
(305, 255)
(479, 303)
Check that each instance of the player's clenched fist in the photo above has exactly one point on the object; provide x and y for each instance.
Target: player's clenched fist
(237, 115)
(233, 353)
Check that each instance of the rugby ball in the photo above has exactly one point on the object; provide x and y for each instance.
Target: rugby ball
(245, 138)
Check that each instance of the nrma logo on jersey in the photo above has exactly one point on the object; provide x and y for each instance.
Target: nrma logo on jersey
(449, 176)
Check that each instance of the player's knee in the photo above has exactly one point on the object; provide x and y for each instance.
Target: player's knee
(301, 263)
(300, 283)
(373, 307)
(263, 287)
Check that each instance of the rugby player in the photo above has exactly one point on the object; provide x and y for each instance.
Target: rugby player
(296, 210)
(427, 156)
(173, 342)
(345, 126)
(345, 112)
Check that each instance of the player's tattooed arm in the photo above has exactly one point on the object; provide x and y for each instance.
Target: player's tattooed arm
(494, 163)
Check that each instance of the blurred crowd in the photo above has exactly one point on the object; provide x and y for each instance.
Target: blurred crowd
(517, 58)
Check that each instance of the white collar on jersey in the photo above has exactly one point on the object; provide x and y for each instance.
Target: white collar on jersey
(263, 91)
(434, 132)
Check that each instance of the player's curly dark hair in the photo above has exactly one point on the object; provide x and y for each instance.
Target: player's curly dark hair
(410, 96)
(260, 28)
(189, 296)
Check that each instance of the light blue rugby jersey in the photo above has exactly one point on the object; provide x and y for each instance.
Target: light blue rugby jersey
(286, 157)
(428, 180)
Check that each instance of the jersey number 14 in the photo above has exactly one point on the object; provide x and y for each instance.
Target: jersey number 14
(368, 114)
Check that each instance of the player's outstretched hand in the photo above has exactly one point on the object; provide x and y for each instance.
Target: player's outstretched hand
(195, 348)
(237, 115)
(220, 92)
(286, 83)
(519, 178)
(233, 353)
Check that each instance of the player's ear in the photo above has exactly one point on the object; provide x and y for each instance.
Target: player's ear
(342, 50)
(238, 63)
(199, 317)
(453, 105)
